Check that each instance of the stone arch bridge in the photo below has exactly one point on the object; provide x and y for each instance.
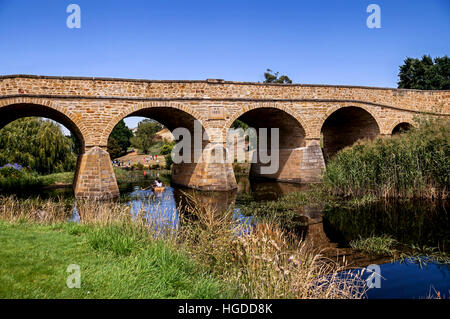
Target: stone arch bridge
(91, 107)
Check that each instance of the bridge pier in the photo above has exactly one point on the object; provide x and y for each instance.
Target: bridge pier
(95, 178)
(207, 174)
(297, 165)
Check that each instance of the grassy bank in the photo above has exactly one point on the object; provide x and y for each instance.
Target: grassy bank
(118, 258)
(211, 256)
(413, 164)
(57, 179)
(113, 264)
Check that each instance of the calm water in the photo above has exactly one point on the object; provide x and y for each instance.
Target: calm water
(411, 223)
(411, 279)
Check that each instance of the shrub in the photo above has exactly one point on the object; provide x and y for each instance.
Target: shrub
(167, 148)
(169, 161)
(155, 166)
(14, 177)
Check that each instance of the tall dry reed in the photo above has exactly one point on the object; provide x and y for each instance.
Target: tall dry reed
(262, 261)
(413, 164)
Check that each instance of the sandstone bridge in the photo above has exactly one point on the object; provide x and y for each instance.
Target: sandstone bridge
(91, 107)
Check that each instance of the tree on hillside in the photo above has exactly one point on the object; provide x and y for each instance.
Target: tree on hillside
(114, 148)
(38, 144)
(143, 139)
(272, 77)
(425, 74)
(120, 136)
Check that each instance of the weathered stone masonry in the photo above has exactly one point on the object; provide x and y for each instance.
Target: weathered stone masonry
(91, 107)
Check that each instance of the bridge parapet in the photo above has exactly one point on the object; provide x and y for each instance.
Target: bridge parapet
(79, 87)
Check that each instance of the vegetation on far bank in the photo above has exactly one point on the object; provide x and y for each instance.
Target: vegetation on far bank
(14, 179)
(38, 145)
(415, 163)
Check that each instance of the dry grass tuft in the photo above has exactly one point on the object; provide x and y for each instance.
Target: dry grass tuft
(263, 261)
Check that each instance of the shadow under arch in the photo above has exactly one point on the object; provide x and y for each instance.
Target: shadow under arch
(401, 128)
(291, 140)
(344, 127)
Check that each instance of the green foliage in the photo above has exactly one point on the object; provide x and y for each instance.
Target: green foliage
(12, 179)
(38, 144)
(285, 211)
(239, 124)
(272, 77)
(376, 245)
(169, 161)
(155, 166)
(114, 148)
(413, 164)
(167, 148)
(145, 134)
(119, 140)
(76, 145)
(138, 167)
(425, 74)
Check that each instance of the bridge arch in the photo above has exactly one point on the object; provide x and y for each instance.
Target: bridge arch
(166, 113)
(281, 110)
(13, 109)
(292, 153)
(343, 126)
(401, 127)
(199, 173)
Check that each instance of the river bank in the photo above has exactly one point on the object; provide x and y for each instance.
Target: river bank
(263, 263)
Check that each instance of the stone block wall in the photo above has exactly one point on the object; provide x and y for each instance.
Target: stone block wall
(95, 178)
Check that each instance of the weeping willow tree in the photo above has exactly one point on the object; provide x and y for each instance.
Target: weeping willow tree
(38, 144)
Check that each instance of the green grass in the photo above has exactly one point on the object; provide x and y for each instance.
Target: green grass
(29, 180)
(376, 245)
(57, 178)
(114, 264)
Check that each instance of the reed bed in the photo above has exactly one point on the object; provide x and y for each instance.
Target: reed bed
(262, 260)
(413, 164)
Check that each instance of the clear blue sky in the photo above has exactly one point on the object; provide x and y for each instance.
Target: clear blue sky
(319, 42)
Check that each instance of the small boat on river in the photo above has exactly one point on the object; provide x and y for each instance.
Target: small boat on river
(154, 189)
